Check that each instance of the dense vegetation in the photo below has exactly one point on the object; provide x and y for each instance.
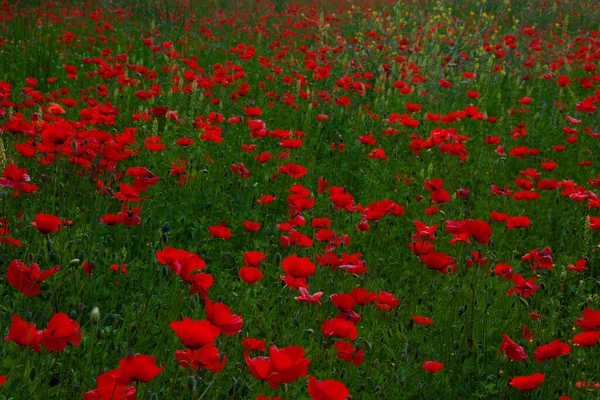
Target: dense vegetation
(305, 199)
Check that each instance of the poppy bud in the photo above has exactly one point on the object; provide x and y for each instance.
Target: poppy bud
(73, 314)
(95, 315)
(461, 311)
(311, 331)
(192, 383)
(74, 262)
(235, 386)
(3, 194)
(81, 307)
(524, 302)
(49, 244)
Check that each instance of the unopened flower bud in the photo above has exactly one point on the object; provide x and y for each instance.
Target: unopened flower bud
(95, 315)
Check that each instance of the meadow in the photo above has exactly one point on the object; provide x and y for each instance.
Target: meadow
(306, 199)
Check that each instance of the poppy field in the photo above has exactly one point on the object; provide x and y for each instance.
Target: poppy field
(305, 199)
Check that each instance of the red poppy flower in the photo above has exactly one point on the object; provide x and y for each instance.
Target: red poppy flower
(259, 367)
(251, 226)
(512, 350)
(221, 232)
(432, 366)
(586, 339)
(309, 298)
(293, 170)
(343, 301)
(590, 320)
(250, 275)
(480, 230)
(298, 267)
(254, 258)
(422, 320)
(60, 331)
(47, 223)
(527, 335)
(327, 390)
(221, 316)
(528, 382)
(346, 351)
(181, 262)
(287, 364)
(108, 387)
(518, 222)
(250, 112)
(130, 217)
(111, 219)
(386, 301)
(27, 279)
(363, 296)
(185, 141)
(206, 357)
(139, 368)
(23, 333)
(195, 334)
(122, 267)
(551, 350)
(422, 247)
(254, 344)
(578, 267)
(128, 193)
(293, 282)
(339, 327)
(437, 261)
(266, 199)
